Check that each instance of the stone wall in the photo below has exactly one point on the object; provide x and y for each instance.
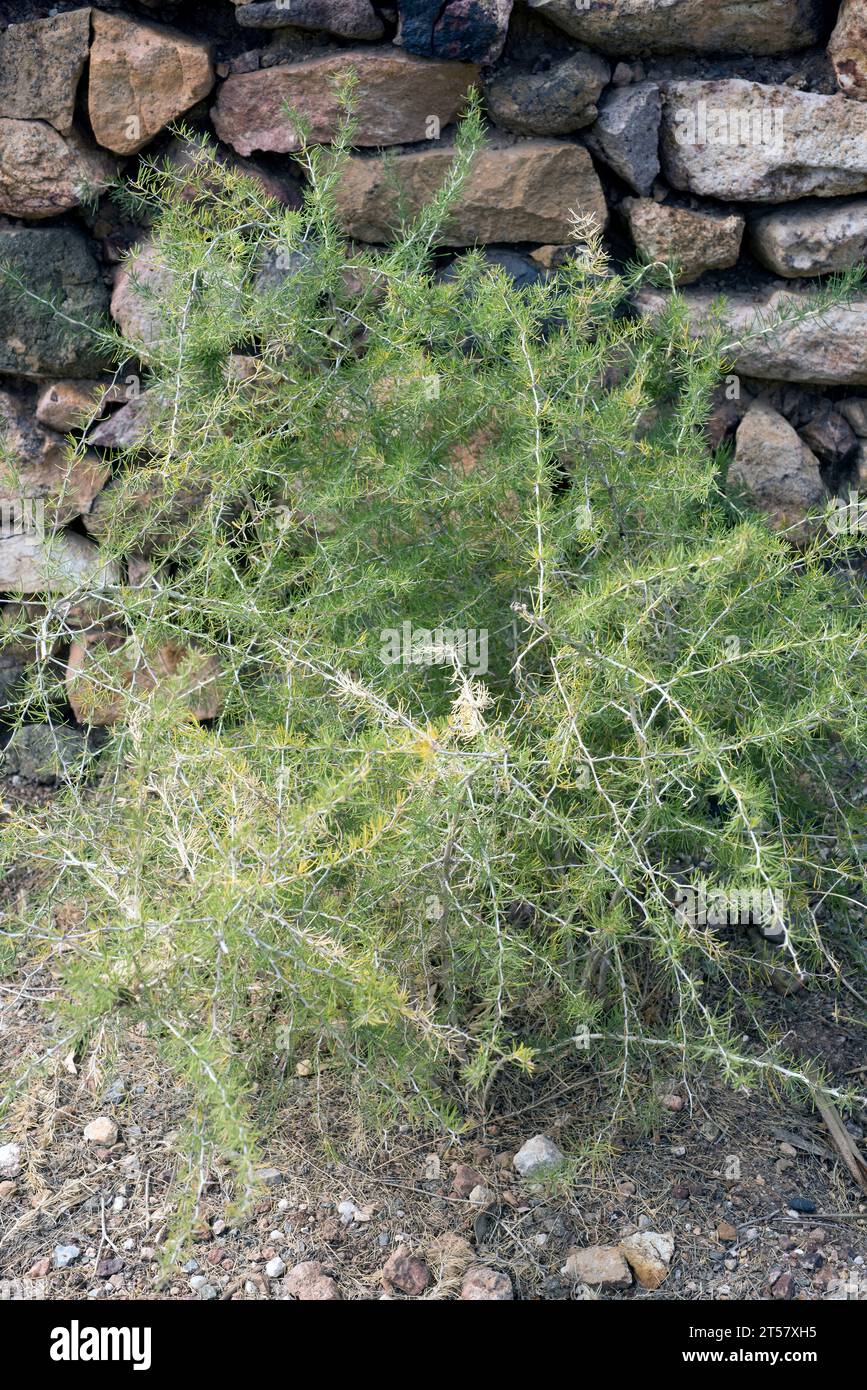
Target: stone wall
(730, 134)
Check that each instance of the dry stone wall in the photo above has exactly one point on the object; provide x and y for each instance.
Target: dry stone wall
(729, 134)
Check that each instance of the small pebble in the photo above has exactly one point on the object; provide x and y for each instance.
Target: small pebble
(65, 1255)
(102, 1131)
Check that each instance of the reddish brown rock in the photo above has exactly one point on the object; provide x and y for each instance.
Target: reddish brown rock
(104, 666)
(33, 465)
(486, 1285)
(396, 97)
(521, 192)
(69, 405)
(141, 281)
(141, 501)
(848, 49)
(310, 1282)
(464, 1180)
(43, 173)
(783, 1287)
(185, 155)
(405, 1273)
(142, 76)
(722, 422)
(41, 61)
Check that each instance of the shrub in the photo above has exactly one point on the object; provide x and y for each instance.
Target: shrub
(387, 853)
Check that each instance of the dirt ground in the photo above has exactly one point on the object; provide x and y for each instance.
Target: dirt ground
(749, 1186)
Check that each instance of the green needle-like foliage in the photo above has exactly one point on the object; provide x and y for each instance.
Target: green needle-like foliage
(432, 869)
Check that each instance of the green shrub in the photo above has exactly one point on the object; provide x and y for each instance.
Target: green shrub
(430, 872)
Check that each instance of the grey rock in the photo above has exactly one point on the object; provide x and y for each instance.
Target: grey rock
(13, 672)
(10, 1160)
(626, 134)
(758, 143)
(827, 346)
(277, 266)
(347, 19)
(811, 238)
(18, 651)
(43, 753)
(829, 435)
(521, 270)
(60, 563)
(126, 426)
(466, 30)
(275, 1269)
(855, 412)
(55, 263)
(41, 62)
(482, 1196)
(688, 26)
(269, 1177)
(550, 99)
(774, 471)
(65, 1255)
(536, 1155)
